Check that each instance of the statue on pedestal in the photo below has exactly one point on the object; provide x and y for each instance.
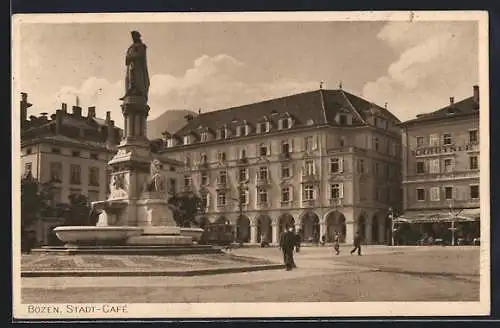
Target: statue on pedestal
(137, 77)
(156, 181)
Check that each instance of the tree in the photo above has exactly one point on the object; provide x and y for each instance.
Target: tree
(79, 211)
(35, 202)
(185, 208)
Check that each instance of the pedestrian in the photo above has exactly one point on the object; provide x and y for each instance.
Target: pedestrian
(336, 243)
(298, 240)
(287, 244)
(357, 244)
(323, 240)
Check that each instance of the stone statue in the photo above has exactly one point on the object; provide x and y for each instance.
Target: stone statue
(137, 77)
(156, 181)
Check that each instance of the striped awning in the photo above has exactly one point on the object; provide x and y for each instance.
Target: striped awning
(465, 215)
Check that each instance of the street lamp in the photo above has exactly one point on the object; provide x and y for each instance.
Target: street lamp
(452, 228)
(391, 216)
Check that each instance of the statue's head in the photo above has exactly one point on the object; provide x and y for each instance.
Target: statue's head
(136, 36)
(156, 166)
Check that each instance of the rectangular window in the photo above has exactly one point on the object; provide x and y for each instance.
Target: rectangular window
(447, 139)
(94, 156)
(434, 166)
(448, 165)
(285, 194)
(285, 147)
(420, 194)
(205, 200)
(448, 193)
(474, 192)
(262, 150)
(75, 153)
(334, 165)
(262, 196)
(204, 137)
(27, 167)
(343, 119)
(335, 191)
(187, 181)
(94, 176)
(473, 163)
(309, 169)
(204, 178)
(308, 192)
(29, 151)
(221, 156)
(473, 136)
(285, 124)
(223, 133)
(435, 194)
(56, 171)
(186, 140)
(172, 186)
(203, 158)
(238, 130)
(263, 173)
(56, 150)
(361, 166)
(285, 171)
(243, 199)
(308, 143)
(375, 143)
(243, 154)
(222, 179)
(420, 167)
(420, 142)
(75, 174)
(243, 174)
(434, 140)
(221, 198)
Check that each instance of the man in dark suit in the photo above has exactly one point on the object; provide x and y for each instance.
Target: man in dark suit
(357, 244)
(287, 244)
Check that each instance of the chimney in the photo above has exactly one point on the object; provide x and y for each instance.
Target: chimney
(64, 108)
(452, 101)
(77, 111)
(24, 105)
(475, 93)
(59, 120)
(91, 112)
(111, 142)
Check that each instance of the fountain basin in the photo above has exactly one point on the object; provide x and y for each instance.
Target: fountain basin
(194, 233)
(104, 235)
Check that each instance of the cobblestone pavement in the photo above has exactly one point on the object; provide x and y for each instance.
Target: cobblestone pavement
(320, 276)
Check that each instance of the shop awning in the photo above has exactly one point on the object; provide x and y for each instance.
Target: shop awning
(465, 215)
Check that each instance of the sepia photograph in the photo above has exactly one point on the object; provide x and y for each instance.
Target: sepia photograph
(250, 165)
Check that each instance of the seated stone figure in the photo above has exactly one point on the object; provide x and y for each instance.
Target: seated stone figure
(156, 182)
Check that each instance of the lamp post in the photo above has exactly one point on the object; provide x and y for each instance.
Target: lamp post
(452, 228)
(391, 216)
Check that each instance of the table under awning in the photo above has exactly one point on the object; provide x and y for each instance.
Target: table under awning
(465, 215)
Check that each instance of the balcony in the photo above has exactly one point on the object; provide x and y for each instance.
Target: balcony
(309, 203)
(263, 205)
(203, 165)
(263, 182)
(223, 208)
(310, 177)
(336, 202)
(285, 156)
(286, 203)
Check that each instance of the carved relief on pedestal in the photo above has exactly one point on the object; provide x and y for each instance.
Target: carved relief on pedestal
(156, 182)
(119, 186)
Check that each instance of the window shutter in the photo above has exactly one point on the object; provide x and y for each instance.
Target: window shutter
(290, 147)
(341, 164)
(341, 190)
(290, 193)
(280, 124)
(315, 142)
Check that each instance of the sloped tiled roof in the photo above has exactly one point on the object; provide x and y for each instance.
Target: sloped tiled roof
(320, 106)
(464, 107)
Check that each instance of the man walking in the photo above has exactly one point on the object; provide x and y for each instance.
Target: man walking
(287, 245)
(357, 244)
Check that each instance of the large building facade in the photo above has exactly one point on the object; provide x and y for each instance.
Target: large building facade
(70, 152)
(441, 162)
(324, 161)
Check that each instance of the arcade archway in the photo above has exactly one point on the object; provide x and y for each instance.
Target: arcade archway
(361, 226)
(286, 221)
(243, 229)
(264, 228)
(310, 227)
(335, 222)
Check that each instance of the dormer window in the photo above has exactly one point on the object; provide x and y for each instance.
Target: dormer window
(170, 142)
(204, 136)
(343, 119)
(187, 140)
(263, 127)
(380, 123)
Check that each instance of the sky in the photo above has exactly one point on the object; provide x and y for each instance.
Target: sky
(413, 66)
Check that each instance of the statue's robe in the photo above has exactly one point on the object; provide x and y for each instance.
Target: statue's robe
(136, 77)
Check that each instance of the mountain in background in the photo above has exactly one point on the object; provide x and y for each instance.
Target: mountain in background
(172, 120)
